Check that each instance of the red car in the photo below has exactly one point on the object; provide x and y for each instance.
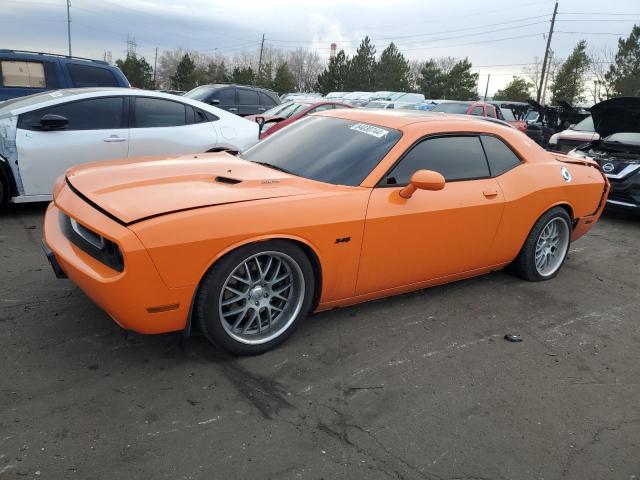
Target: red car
(481, 109)
(282, 115)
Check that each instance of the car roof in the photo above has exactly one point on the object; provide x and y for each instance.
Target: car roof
(399, 119)
(54, 97)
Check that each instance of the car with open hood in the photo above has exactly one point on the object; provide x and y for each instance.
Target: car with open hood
(341, 207)
(574, 136)
(617, 148)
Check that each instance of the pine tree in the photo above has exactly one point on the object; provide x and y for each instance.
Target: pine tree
(243, 75)
(137, 70)
(624, 73)
(432, 80)
(265, 76)
(362, 68)
(392, 71)
(517, 90)
(185, 77)
(461, 83)
(334, 77)
(569, 80)
(284, 81)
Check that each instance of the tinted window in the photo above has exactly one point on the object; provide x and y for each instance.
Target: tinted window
(491, 112)
(330, 150)
(87, 76)
(247, 97)
(226, 96)
(200, 93)
(501, 158)
(155, 112)
(266, 100)
(506, 114)
(477, 111)
(321, 108)
(94, 114)
(456, 158)
(451, 108)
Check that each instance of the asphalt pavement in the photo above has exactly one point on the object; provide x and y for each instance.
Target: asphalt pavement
(419, 386)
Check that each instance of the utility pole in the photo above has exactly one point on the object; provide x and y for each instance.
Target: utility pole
(155, 65)
(486, 90)
(260, 60)
(546, 52)
(69, 24)
(546, 79)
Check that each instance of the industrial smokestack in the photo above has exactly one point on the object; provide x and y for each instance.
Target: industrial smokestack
(332, 55)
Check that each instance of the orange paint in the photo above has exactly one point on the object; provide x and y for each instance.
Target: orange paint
(395, 245)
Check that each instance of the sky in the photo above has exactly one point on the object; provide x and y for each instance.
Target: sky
(499, 37)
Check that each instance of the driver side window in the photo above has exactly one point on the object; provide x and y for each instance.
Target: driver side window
(455, 157)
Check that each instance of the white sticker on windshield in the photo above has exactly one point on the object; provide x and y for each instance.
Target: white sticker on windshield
(369, 130)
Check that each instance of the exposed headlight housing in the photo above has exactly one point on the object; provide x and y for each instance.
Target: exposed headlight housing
(92, 243)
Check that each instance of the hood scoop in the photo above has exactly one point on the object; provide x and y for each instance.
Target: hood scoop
(227, 180)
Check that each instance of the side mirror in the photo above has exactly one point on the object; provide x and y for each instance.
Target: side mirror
(423, 180)
(53, 122)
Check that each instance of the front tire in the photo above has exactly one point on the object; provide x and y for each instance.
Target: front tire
(253, 299)
(546, 247)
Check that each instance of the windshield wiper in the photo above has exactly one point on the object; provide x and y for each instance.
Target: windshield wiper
(275, 167)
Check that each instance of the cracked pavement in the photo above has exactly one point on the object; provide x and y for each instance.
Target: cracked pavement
(420, 386)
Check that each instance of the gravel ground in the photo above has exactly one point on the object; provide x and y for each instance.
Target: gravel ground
(420, 386)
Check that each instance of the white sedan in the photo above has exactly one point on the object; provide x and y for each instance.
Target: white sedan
(44, 134)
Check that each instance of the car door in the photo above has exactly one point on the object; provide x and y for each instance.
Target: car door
(248, 102)
(161, 126)
(96, 130)
(225, 98)
(433, 234)
(266, 102)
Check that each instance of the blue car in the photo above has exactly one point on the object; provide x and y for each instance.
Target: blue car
(26, 73)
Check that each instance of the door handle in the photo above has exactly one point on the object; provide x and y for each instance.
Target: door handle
(491, 192)
(114, 139)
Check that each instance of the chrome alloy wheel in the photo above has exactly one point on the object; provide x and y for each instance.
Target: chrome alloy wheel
(551, 246)
(261, 297)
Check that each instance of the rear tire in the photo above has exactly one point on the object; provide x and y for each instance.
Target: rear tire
(546, 247)
(253, 299)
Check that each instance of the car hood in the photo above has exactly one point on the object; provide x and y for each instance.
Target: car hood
(135, 190)
(616, 115)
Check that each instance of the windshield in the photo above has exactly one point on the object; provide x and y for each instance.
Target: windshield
(532, 116)
(508, 114)
(451, 108)
(326, 149)
(286, 110)
(585, 125)
(199, 93)
(20, 102)
(628, 138)
(376, 105)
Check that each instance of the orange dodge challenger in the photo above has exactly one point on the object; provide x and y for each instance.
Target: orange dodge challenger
(339, 208)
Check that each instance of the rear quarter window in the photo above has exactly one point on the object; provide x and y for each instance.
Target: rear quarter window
(90, 76)
(501, 158)
(18, 73)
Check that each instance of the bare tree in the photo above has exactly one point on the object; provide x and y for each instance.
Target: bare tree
(599, 88)
(533, 73)
(305, 66)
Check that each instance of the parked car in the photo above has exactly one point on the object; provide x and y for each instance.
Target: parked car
(362, 99)
(544, 121)
(42, 135)
(387, 104)
(574, 136)
(25, 73)
(341, 207)
(617, 148)
(408, 98)
(279, 117)
(335, 95)
(242, 100)
(173, 92)
(353, 96)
